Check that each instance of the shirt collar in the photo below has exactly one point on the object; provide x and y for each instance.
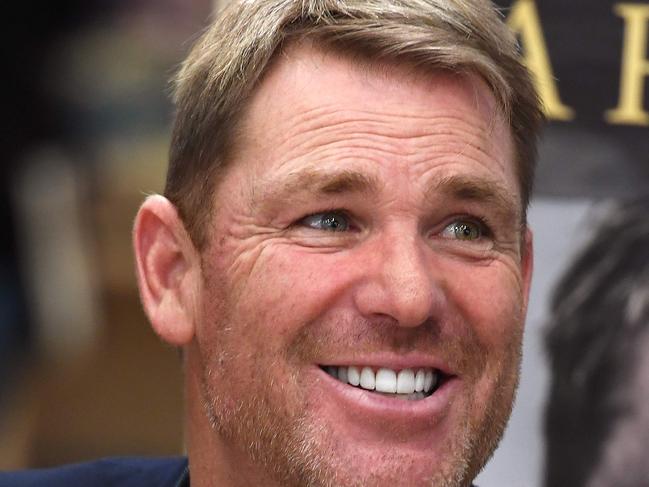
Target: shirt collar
(183, 480)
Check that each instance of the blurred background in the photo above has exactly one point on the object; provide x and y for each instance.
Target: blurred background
(81, 374)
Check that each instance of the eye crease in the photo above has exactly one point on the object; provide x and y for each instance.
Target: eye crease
(466, 230)
(332, 221)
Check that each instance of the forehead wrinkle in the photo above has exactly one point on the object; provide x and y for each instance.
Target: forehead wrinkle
(313, 116)
(400, 124)
(466, 134)
(370, 138)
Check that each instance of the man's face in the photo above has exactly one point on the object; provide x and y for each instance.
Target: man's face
(369, 221)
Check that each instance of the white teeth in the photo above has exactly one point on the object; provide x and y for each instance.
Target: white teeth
(386, 380)
(429, 380)
(368, 381)
(353, 375)
(406, 382)
(420, 379)
(342, 374)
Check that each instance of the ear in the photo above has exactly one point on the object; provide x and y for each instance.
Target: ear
(527, 263)
(168, 270)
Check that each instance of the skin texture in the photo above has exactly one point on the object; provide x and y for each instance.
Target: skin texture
(401, 159)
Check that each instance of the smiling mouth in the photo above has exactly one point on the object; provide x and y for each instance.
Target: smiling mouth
(406, 384)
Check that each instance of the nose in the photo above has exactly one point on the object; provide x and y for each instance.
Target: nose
(398, 282)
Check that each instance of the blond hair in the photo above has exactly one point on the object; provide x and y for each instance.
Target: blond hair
(227, 62)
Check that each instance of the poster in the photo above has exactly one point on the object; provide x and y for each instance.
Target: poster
(591, 62)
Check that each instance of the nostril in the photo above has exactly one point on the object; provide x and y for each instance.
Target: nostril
(405, 306)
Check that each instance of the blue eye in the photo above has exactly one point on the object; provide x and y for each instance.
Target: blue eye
(329, 221)
(464, 230)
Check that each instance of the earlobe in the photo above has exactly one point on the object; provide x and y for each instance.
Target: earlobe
(167, 270)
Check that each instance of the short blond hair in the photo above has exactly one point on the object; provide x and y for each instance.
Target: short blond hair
(223, 68)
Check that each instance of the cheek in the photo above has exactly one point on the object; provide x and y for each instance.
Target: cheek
(284, 291)
(491, 302)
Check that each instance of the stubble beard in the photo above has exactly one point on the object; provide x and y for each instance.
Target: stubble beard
(285, 447)
(295, 450)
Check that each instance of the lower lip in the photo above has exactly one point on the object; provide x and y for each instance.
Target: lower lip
(367, 404)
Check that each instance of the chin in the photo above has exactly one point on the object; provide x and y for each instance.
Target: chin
(329, 460)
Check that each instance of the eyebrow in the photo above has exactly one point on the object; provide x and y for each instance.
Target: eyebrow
(313, 181)
(458, 187)
(479, 190)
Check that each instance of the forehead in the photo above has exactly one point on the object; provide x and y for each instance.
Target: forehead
(311, 101)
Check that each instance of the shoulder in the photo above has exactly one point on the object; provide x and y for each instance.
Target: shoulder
(109, 472)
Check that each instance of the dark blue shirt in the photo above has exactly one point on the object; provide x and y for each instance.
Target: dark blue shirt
(109, 472)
